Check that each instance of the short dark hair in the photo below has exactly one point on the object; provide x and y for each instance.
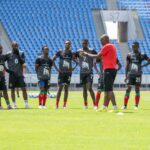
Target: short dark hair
(44, 47)
(85, 40)
(136, 43)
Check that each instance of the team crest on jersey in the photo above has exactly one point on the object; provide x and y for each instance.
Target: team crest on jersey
(16, 61)
(10, 85)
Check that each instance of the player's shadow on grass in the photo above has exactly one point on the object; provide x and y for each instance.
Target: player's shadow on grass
(25, 108)
(127, 112)
(76, 108)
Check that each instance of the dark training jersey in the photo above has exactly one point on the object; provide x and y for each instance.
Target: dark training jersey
(2, 65)
(15, 62)
(135, 61)
(65, 63)
(85, 62)
(44, 67)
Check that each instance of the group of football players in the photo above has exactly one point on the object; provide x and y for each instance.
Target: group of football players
(87, 59)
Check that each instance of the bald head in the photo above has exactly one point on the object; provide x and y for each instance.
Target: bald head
(14, 44)
(104, 39)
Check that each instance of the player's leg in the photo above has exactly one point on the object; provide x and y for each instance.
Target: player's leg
(90, 89)
(3, 89)
(106, 98)
(41, 94)
(109, 96)
(85, 95)
(17, 91)
(130, 81)
(67, 80)
(126, 97)
(107, 88)
(137, 96)
(46, 87)
(61, 81)
(25, 96)
(100, 88)
(83, 82)
(13, 97)
(112, 95)
(137, 91)
(97, 98)
(21, 83)
(112, 99)
(44, 98)
(109, 77)
(60, 87)
(5, 94)
(12, 80)
(65, 95)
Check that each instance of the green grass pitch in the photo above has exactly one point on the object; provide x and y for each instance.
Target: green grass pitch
(76, 128)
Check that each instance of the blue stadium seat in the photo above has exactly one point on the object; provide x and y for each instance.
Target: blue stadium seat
(35, 23)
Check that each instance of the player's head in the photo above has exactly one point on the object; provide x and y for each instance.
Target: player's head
(104, 39)
(67, 44)
(14, 45)
(45, 50)
(85, 43)
(135, 47)
(1, 49)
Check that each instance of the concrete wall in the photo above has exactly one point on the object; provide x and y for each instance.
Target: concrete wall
(129, 16)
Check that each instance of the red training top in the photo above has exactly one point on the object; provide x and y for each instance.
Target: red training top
(109, 56)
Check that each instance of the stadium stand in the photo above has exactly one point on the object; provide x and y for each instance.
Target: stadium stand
(36, 23)
(143, 9)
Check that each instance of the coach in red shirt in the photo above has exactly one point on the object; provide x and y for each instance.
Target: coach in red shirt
(108, 55)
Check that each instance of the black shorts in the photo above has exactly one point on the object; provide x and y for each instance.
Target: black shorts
(16, 82)
(100, 87)
(134, 80)
(2, 84)
(64, 78)
(44, 83)
(86, 78)
(109, 78)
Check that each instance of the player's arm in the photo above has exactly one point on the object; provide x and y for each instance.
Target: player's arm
(95, 61)
(37, 64)
(95, 65)
(119, 65)
(90, 55)
(99, 55)
(74, 59)
(76, 64)
(53, 59)
(50, 65)
(127, 67)
(7, 70)
(144, 65)
(147, 59)
(6, 57)
(21, 57)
